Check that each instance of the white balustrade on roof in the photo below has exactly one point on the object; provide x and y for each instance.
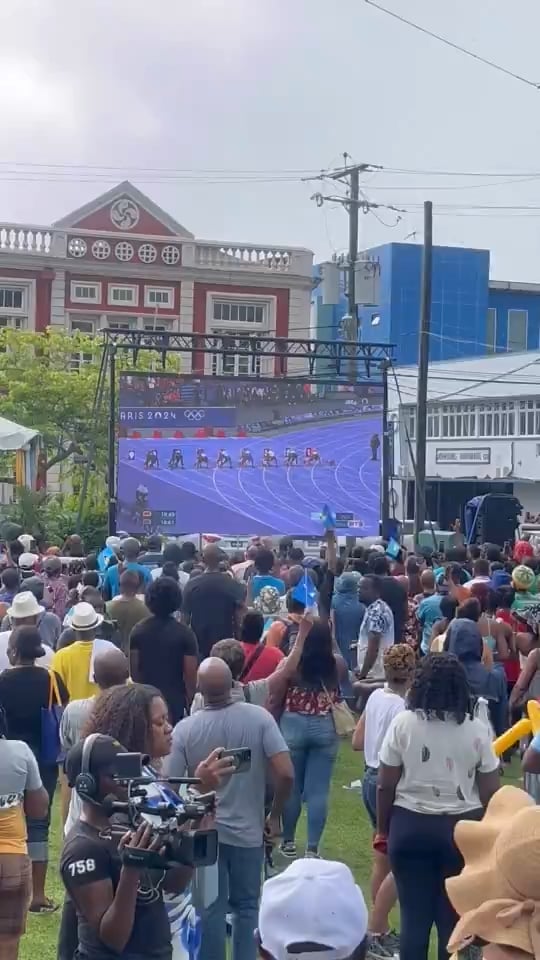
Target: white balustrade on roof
(36, 241)
(252, 257)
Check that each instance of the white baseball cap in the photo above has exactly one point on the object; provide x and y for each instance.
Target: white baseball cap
(113, 543)
(312, 901)
(27, 540)
(27, 561)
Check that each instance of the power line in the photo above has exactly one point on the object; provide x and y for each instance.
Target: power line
(454, 186)
(306, 172)
(454, 46)
(174, 170)
(494, 379)
(8, 177)
(413, 171)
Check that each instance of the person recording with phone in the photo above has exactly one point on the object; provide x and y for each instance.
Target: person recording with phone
(251, 734)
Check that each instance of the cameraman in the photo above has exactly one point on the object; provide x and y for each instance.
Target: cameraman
(120, 908)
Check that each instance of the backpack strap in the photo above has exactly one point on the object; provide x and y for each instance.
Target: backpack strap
(251, 662)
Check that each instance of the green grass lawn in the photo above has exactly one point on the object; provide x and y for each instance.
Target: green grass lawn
(347, 838)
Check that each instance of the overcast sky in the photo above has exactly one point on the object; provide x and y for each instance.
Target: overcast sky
(277, 86)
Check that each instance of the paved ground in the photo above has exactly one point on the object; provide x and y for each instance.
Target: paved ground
(267, 501)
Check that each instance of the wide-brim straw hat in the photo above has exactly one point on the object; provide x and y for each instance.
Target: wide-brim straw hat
(497, 894)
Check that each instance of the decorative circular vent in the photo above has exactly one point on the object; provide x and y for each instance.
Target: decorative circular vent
(124, 250)
(170, 254)
(101, 250)
(77, 247)
(147, 252)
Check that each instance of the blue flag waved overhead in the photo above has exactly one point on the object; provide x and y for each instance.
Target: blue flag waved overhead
(305, 592)
(328, 518)
(393, 549)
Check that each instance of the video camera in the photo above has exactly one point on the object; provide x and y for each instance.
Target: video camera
(150, 800)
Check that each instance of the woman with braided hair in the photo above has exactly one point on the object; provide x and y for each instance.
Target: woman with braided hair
(383, 705)
(436, 766)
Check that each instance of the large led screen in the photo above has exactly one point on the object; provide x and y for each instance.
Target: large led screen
(247, 456)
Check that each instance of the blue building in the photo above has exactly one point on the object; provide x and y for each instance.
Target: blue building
(471, 315)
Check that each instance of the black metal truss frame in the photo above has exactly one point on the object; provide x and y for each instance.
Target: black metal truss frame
(340, 355)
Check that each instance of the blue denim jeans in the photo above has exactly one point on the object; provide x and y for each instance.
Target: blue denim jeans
(313, 743)
(240, 870)
(38, 829)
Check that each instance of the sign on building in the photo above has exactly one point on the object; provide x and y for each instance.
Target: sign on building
(462, 455)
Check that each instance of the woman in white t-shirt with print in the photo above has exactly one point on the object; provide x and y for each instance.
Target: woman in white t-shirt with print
(436, 766)
(383, 705)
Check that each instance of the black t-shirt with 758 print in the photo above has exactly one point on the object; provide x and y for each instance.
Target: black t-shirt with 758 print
(89, 856)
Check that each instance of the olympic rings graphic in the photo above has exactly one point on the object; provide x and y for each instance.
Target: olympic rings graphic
(194, 414)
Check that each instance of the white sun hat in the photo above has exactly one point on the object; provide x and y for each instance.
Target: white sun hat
(24, 605)
(83, 617)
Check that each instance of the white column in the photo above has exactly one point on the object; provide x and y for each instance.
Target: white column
(186, 319)
(58, 317)
(299, 326)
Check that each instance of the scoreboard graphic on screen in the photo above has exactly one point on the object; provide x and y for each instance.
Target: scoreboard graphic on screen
(245, 456)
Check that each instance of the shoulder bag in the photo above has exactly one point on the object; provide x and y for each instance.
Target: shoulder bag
(50, 724)
(250, 663)
(342, 715)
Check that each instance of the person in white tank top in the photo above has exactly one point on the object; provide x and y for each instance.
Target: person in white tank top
(382, 706)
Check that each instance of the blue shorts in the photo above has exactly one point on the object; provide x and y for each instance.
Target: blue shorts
(369, 794)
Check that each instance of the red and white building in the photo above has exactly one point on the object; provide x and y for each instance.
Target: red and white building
(122, 261)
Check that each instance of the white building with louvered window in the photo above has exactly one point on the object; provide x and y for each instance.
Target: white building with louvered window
(483, 433)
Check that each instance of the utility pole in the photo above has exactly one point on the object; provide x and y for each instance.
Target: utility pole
(423, 361)
(350, 175)
(354, 201)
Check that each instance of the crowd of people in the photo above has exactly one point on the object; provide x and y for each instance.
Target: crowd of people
(242, 673)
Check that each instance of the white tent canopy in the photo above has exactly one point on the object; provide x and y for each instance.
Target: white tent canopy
(13, 436)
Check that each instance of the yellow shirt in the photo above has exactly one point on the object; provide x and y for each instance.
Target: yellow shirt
(19, 772)
(73, 665)
(13, 828)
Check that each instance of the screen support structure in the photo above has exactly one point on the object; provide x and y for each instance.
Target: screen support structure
(372, 360)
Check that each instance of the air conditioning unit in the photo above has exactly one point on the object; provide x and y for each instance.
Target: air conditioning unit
(501, 472)
(403, 471)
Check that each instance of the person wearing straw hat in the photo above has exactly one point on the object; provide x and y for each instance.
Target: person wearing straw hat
(497, 894)
(26, 691)
(75, 664)
(25, 611)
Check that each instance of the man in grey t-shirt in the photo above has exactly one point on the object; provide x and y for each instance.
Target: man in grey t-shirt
(240, 807)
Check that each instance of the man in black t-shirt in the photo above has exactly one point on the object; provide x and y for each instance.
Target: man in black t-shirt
(163, 652)
(213, 603)
(392, 592)
(120, 908)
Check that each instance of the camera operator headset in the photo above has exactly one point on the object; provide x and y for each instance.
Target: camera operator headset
(119, 903)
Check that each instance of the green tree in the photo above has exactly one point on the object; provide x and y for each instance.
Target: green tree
(48, 382)
(43, 386)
